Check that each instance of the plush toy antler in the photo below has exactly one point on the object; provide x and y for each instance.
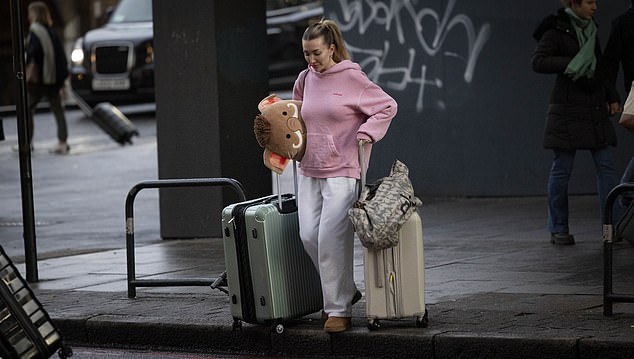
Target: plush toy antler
(279, 128)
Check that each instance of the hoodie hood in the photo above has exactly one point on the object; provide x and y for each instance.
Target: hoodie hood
(344, 65)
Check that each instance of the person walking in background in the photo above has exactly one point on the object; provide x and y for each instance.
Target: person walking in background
(579, 107)
(44, 49)
(620, 51)
(340, 107)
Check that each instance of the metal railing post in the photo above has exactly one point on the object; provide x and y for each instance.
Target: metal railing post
(609, 297)
(133, 282)
(24, 145)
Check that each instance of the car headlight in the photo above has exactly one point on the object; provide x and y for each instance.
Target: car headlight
(77, 55)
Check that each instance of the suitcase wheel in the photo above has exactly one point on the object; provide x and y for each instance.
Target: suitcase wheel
(374, 324)
(237, 324)
(65, 352)
(278, 328)
(423, 322)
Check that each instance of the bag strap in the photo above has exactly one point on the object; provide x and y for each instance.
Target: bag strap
(305, 72)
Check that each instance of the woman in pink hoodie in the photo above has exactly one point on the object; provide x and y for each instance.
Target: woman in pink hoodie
(340, 107)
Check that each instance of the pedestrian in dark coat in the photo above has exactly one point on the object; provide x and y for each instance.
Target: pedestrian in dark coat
(45, 50)
(578, 112)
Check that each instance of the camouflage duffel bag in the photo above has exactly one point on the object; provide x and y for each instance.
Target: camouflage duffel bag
(383, 207)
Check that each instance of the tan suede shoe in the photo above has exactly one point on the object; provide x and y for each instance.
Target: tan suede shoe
(357, 296)
(337, 324)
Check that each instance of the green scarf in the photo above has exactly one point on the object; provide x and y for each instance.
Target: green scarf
(584, 63)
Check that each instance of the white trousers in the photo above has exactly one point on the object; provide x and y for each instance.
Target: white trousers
(328, 237)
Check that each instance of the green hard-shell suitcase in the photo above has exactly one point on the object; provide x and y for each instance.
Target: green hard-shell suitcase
(271, 278)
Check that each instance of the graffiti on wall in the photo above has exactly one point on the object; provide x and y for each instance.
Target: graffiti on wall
(413, 35)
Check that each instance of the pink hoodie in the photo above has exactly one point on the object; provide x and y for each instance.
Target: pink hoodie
(340, 107)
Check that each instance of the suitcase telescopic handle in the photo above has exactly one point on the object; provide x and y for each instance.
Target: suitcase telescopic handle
(362, 165)
(279, 187)
(380, 268)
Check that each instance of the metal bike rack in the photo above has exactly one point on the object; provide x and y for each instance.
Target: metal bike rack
(609, 297)
(133, 282)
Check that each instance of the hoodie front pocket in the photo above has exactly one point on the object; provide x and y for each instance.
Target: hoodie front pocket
(320, 150)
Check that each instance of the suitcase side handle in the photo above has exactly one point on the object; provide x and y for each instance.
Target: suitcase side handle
(286, 202)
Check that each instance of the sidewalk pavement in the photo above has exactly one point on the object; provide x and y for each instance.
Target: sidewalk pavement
(495, 286)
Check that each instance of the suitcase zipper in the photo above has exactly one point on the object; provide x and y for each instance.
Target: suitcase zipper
(391, 288)
(396, 254)
(392, 295)
(244, 264)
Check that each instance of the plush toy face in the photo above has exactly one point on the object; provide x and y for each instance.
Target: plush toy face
(279, 128)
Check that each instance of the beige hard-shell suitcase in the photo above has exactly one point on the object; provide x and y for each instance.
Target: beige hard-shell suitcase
(395, 278)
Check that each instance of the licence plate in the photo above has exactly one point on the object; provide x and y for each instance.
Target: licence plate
(110, 84)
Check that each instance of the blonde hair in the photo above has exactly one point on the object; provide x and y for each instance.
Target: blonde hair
(40, 13)
(332, 36)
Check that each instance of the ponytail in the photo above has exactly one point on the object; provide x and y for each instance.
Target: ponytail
(332, 36)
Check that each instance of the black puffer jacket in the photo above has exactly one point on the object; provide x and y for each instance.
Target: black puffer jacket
(578, 111)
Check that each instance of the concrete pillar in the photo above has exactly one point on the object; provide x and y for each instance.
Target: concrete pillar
(211, 72)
